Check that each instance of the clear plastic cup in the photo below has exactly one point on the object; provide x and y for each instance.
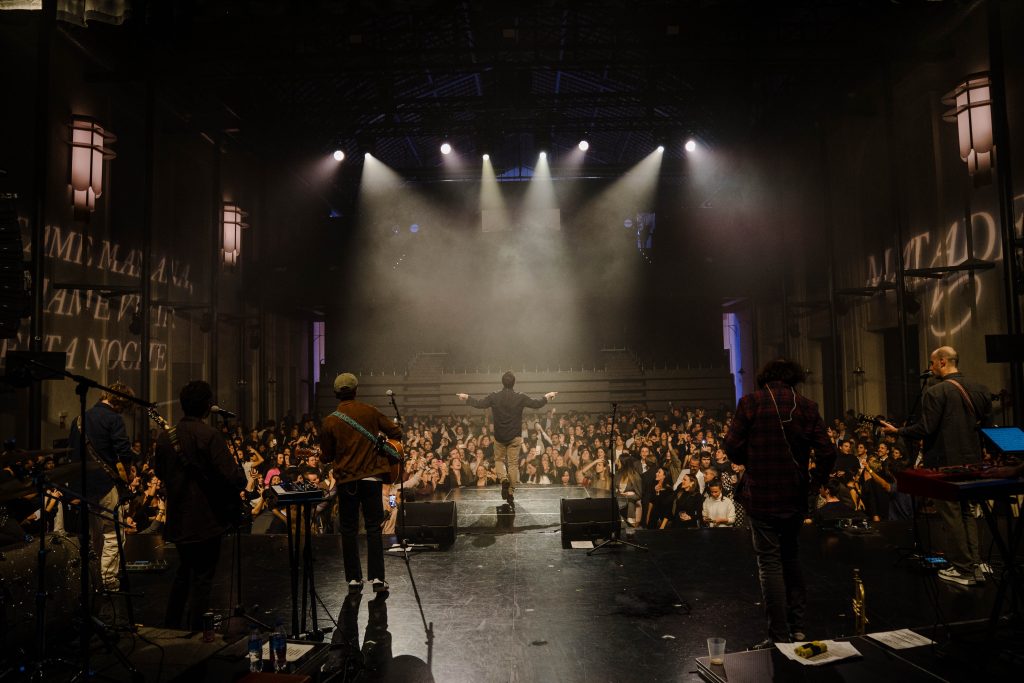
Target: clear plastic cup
(716, 650)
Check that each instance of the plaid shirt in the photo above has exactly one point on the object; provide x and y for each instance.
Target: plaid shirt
(775, 483)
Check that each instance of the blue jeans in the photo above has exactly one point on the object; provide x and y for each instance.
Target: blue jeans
(351, 496)
(778, 567)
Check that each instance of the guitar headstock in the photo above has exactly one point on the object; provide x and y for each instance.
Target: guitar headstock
(870, 419)
(157, 417)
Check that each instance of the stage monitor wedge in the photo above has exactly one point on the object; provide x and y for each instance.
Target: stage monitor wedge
(428, 523)
(588, 519)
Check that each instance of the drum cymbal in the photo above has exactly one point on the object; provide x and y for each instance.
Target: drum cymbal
(15, 456)
(16, 488)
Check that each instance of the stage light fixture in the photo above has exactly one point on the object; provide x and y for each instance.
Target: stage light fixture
(487, 157)
(584, 145)
(543, 155)
(691, 145)
(661, 148)
(89, 149)
(339, 155)
(972, 113)
(446, 148)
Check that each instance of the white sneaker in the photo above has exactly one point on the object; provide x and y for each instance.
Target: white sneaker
(953, 575)
(986, 568)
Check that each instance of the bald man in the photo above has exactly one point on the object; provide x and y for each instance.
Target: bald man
(951, 410)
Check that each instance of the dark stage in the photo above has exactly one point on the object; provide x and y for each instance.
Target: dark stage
(512, 605)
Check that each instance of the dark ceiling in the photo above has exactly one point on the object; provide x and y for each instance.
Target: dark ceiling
(295, 80)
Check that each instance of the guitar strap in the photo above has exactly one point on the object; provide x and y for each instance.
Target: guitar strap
(968, 403)
(115, 478)
(380, 443)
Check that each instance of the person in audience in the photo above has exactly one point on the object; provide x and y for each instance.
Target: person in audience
(687, 504)
(659, 509)
(629, 490)
(718, 510)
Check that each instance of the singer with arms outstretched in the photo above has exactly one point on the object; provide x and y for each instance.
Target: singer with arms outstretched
(507, 407)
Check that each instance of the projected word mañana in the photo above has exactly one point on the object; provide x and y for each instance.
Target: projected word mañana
(80, 321)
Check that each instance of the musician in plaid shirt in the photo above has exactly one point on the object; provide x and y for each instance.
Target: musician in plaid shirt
(772, 434)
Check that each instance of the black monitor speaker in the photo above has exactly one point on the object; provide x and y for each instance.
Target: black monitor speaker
(429, 523)
(588, 519)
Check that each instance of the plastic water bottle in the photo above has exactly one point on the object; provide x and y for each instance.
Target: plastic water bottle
(255, 651)
(279, 647)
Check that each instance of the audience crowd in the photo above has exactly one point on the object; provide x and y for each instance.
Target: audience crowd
(670, 469)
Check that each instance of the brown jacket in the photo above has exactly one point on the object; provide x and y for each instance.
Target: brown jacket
(350, 454)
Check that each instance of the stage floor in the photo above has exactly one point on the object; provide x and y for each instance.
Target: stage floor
(511, 605)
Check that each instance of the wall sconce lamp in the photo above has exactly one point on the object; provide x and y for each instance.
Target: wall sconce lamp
(89, 149)
(972, 111)
(232, 223)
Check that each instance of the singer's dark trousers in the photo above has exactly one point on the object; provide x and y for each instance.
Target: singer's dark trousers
(368, 495)
(198, 565)
(782, 581)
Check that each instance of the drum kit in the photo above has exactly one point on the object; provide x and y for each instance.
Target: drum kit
(40, 589)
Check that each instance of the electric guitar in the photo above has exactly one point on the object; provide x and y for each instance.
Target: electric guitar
(870, 419)
(116, 473)
(223, 498)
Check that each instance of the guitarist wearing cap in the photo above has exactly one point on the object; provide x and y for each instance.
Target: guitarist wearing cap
(108, 452)
(951, 411)
(351, 447)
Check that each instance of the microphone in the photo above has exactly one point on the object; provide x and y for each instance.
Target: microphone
(223, 413)
(389, 392)
(925, 375)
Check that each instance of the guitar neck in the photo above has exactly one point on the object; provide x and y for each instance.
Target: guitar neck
(158, 418)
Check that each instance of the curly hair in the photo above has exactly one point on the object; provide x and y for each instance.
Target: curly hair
(782, 370)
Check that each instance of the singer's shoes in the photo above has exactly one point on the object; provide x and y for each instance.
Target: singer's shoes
(504, 489)
(355, 586)
(379, 586)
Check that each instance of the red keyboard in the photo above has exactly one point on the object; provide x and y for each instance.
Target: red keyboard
(957, 482)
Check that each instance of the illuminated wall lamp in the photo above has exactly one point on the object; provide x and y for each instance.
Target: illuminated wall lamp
(89, 149)
(233, 222)
(972, 111)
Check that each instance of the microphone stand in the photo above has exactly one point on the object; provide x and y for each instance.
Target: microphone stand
(614, 538)
(914, 554)
(403, 543)
(238, 604)
(88, 626)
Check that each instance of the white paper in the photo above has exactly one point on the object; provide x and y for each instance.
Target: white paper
(902, 639)
(294, 652)
(582, 544)
(836, 652)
